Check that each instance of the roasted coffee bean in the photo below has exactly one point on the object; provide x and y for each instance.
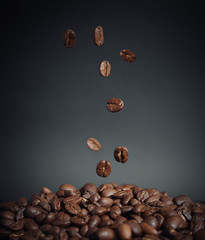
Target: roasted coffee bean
(127, 55)
(50, 218)
(136, 217)
(69, 38)
(6, 222)
(147, 229)
(115, 105)
(99, 211)
(121, 194)
(104, 68)
(124, 231)
(181, 199)
(73, 208)
(197, 223)
(127, 198)
(10, 205)
(139, 208)
(108, 192)
(31, 211)
(62, 220)
(160, 220)
(22, 202)
(98, 36)
(68, 187)
(126, 209)
(79, 220)
(84, 230)
(107, 223)
(20, 214)
(30, 225)
(94, 221)
(105, 233)
(106, 202)
(103, 168)
(171, 224)
(152, 221)
(55, 204)
(7, 214)
(63, 236)
(135, 227)
(121, 154)
(115, 212)
(89, 190)
(16, 226)
(93, 144)
(45, 190)
(142, 195)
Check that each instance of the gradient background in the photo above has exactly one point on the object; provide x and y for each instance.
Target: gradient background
(53, 98)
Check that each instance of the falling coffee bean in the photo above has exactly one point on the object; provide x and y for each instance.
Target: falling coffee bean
(103, 168)
(127, 55)
(98, 36)
(115, 105)
(93, 144)
(69, 38)
(105, 68)
(121, 154)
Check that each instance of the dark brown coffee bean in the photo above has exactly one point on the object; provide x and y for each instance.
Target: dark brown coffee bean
(115, 212)
(197, 223)
(121, 154)
(50, 218)
(160, 220)
(31, 211)
(54, 230)
(7, 214)
(108, 192)
(104, 68)
(124, 231)
(63, 236)
(152, 221)
(142, 195)
(136, 217)
(147, 229)
(93, 144)
(45, 190)
(6, 222)
(94, 221)
(103, 168)
(69, 38)
(127, 198)
(99, 211)
(171, 224)
(139, 208)
(135, 227)
(10, 205)
(115, 105)
(126, 209)
(22, 202)
(79, 220)
(127, 55)
(84, 230)
(16, 226)
(98, 36)
(105, 233)
(151, 237)
(106, 202)
(73, 208)
(30, 225)
(62, 220)
(181, 199)
(55, 204)
(106, 223)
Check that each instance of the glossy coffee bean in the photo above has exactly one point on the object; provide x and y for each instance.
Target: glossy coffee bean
(115, 212)
(135, 227)
(98, 36)
(181, 199)
(124, 231)
(105, 233)
(127, 55)
(69, 38)
(104, 68)
(103, 168)
(115, 105)
(121, 154)
(147, 229)
(93, 144)
(73, 208)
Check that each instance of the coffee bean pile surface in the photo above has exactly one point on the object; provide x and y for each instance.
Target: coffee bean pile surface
(107, 212)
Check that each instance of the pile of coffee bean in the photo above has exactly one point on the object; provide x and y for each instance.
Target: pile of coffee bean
(107, 212)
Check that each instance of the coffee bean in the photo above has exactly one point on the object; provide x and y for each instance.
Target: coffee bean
(69, 38)
(84, 230)
(147, 229)
(105, 233)
(103, 168)
(127, 55)
(32, 212)
(171, 224)
(115, 212)
(124, 231)
(7, 214)
(93, 144)
(108, 192)
(181, 199)
(115, 105)
(106, 202)
(121, 154)
(99, 211)
(104, 68)
(98, 36)
(73, 208)
(135, 227)
(63, 236)
(142, 195)
(94, 221)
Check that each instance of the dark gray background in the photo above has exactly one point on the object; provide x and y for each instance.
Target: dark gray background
(53, 98)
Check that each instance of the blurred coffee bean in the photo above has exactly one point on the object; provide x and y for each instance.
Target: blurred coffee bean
(124, 231)
(69, 38)
(147, 229)
(181, 199)
(98, 36)
(93, 144)
(105, 233)
(115, 105)
(127, 55)
(104, 68)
